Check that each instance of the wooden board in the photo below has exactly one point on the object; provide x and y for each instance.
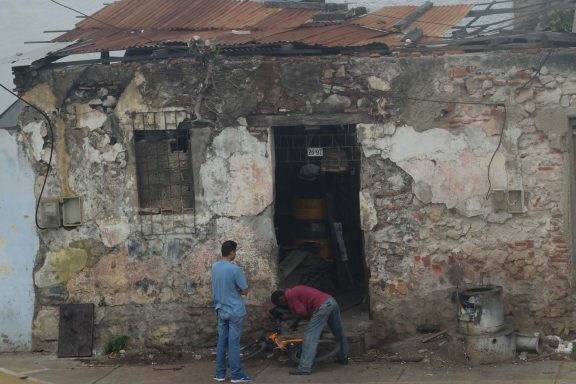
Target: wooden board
(75, 330)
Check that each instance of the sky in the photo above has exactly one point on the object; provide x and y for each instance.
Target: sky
(25, 20)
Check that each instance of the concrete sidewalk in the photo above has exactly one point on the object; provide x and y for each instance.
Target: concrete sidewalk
(25, 368)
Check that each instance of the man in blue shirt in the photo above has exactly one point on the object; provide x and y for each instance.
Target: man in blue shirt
(228, 286)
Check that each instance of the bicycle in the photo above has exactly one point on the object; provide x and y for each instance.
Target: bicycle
(327, 348)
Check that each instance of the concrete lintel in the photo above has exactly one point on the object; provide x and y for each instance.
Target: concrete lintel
(301, 119)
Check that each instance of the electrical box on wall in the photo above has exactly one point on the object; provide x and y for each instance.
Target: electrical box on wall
(511, 201)
(515, 201)
(71, 211)
(50, 213)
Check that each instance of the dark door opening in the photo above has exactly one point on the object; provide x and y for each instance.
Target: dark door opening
(317, 210)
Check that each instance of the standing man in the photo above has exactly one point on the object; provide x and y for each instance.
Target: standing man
(228, 287)
(321, 309)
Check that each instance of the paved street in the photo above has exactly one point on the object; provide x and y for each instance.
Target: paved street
(47, 369)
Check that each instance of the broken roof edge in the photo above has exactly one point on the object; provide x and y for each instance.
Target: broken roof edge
(522, 40)
(246, 49)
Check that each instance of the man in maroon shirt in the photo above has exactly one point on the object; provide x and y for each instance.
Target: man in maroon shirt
(320, 309)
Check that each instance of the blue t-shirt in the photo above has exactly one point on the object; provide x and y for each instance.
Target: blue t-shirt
(227, 279)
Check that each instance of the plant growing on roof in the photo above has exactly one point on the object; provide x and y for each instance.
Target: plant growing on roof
(560, 20)
(206, 53)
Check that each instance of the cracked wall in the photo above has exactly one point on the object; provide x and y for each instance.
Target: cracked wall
(432, 225)
(148, 275)
(427, 224)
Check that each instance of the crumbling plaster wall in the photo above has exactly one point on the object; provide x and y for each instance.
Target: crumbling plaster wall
(151, 285)
(428, 226)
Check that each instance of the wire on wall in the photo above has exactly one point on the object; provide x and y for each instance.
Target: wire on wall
(501, 105)
(51, 150)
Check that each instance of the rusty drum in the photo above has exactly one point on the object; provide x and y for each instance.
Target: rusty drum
(480, 310)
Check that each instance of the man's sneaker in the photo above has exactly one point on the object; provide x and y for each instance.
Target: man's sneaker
(298, 372)
(219, 378)
(342, 361)
(242, 379)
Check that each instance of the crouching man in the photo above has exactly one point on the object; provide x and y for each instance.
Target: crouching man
(320, 309)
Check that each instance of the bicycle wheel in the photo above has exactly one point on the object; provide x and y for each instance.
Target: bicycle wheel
(327, 349)
(251, 350)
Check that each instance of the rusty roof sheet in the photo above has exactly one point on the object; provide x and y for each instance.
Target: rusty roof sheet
(106, 40)
(143, 23)
(193, 15)
(340, 35)
(434, 23)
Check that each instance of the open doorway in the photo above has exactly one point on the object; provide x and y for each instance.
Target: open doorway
(317, 210)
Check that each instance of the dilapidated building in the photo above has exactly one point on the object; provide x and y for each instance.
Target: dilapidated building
(441, 167)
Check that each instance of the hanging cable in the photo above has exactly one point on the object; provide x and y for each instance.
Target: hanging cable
(502, 130)
(51, 150)
(131, 32)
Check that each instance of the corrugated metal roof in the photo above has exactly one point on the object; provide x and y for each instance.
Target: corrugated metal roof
(139, 23)
(434, 23)
(342, 35)
(194, 15)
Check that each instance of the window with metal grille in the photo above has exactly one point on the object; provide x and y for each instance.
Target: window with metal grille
(164, 168)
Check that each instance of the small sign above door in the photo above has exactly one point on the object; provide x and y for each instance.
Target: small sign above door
(315, 152)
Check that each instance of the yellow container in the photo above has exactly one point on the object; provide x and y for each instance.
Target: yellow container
(309, 209)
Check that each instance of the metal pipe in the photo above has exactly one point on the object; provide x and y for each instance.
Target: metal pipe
(529, 344)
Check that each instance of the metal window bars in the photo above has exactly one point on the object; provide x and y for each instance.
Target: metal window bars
(164, 172)
(338, 143)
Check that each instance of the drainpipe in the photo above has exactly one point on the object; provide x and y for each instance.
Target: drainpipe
(529, 343)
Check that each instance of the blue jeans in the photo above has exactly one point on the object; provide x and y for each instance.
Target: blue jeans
(229, 331)
(328, 313)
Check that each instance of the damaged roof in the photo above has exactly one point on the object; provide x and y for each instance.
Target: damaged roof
(127, 24)
(238, 27)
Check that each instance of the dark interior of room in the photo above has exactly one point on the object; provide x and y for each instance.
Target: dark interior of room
(317, 213)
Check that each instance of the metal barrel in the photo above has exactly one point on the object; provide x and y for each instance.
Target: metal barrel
(480, 310)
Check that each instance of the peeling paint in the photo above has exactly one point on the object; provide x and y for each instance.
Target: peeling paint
(60, 267)
(37, 131)
(234, 140)
(448, 168)
(42, 97)
(237, 182)
(119, 279)
(368, 215)
(131, 99)
(88, 117)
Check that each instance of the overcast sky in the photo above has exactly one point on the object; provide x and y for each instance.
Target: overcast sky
(25, 20)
